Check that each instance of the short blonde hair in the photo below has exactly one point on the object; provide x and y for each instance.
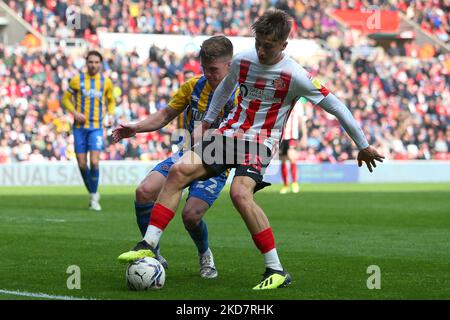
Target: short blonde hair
(216, 47)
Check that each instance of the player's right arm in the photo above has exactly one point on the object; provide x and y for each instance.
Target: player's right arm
(153, 122)
(74, 86)
(159, 119)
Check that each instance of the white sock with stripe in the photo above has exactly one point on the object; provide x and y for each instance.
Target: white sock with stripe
(152, 235)
(272, 261)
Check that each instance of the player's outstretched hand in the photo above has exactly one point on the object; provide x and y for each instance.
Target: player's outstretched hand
(124, 130)
(369, 155)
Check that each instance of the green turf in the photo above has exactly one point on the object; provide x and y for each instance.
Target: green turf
(327, 236)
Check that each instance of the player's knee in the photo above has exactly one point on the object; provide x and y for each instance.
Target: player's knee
(191, 217)
(144, 193)
(240, 195)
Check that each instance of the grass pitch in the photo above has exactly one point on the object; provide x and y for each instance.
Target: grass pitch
(327, 236)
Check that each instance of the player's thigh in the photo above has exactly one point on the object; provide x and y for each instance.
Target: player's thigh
(95, 140)
(190, 158)
(187, 169)
(149, 188)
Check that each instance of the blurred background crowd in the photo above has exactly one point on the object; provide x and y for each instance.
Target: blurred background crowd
(231, 17)
(402, 104)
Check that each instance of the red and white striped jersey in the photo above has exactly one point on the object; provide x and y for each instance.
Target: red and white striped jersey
(267, 96)
(292, 128)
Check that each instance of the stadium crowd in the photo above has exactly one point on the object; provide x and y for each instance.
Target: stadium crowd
(195, 17)
(402, 104)
(432, 16)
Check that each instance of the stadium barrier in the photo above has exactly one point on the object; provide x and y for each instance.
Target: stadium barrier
(132, 172)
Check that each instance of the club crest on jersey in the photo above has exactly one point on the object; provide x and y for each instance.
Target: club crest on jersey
(243, 90)
(279, 84)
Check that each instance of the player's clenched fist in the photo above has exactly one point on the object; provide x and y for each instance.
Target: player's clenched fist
(124, 130)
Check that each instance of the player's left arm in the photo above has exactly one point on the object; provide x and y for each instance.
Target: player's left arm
(74, 86)
(367, 153)
(315, 92)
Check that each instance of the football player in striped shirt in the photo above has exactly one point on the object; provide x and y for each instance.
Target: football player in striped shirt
(189, 103)
(89, 98)
(270, 84)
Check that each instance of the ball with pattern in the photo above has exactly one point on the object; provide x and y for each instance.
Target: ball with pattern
(145, 274)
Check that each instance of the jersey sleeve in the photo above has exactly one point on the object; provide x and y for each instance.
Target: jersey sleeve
(111, 103)
(236, 97)
(309, 87)
(182, 97)
(74, 85)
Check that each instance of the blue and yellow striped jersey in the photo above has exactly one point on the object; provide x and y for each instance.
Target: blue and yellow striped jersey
(90, 93)
(193, 98)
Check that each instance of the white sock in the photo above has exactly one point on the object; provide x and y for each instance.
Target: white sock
(95, 196)
(152, 235)
(272, 261)
(207, 252)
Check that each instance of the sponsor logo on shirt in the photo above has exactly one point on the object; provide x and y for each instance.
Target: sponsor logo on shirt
(197, 115)
(256, 94)
(92, 93)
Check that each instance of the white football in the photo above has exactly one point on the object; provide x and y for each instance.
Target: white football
(145, 274)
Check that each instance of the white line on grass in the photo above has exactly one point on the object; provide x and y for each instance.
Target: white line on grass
(55, 220)
(40, 295)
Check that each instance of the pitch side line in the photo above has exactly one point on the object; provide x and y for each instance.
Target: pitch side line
(41, 295)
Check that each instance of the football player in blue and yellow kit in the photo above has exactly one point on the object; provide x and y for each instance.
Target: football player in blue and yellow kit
(190, 103)
(92, 91)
